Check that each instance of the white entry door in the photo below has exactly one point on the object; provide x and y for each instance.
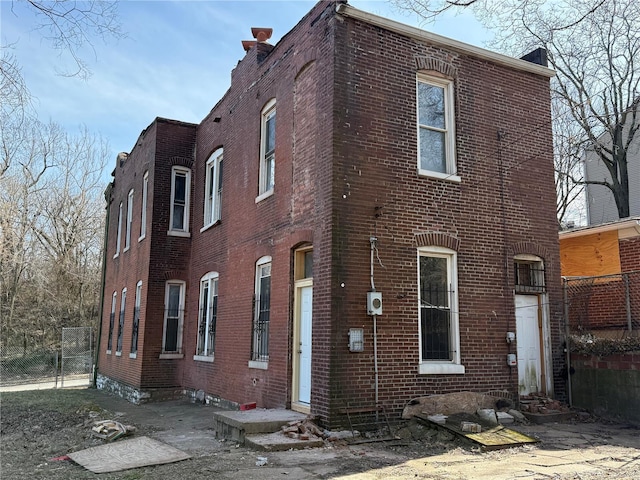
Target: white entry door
(528, 331)
(304, 372)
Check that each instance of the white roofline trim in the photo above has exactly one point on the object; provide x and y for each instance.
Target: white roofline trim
(419, 34)
(607, 227)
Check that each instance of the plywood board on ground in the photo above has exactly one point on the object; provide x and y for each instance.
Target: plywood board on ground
(126, 454)
(492, 437)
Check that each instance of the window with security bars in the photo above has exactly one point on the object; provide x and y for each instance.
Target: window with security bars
(262, 301)
(173, 317)
(136, 319)
(435, 308)
(208, 315)
(529, 276)
(112, 320)
(121, 321)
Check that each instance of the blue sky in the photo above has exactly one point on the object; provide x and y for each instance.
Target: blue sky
(175, 61)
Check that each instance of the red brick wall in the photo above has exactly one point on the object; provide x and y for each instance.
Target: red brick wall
(147, 260)
(346, 169)
(377, 192)
(630, 254)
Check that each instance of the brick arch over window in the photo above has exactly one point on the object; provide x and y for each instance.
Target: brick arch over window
(530, 248)
(174, 275)
(436, 65)
(437, 239)
(181, 161)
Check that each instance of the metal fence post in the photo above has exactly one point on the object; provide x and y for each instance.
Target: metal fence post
(567, 346)
(56, 386)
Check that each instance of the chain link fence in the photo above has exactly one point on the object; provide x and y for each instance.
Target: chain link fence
(72, 363)
(606, 306)
(20, 366)
(77, 359)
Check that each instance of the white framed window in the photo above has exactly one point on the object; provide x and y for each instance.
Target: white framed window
(180, 195)
(438, 311)
(173, 319)
(143, 213)
(136, 321)
(436, 135)
(112, 320)
(119, 231)
(267, 150)
(123, 303)
(207, 317)
(127, 234)
(261, 314)
(213, 189)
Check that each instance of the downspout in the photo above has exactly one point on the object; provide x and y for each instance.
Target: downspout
(107, 197)
(373, 241)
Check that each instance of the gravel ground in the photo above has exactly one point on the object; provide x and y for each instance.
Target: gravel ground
(38, 426)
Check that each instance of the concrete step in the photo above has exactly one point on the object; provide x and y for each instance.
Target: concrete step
(278, 442)
(235, 425)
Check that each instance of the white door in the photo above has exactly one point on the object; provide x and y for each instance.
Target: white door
(304, 375)
(528, 340)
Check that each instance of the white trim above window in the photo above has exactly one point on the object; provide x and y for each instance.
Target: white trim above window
(143, 211)
(267, 150)
(213, 189)
(180, 201)
(436, 128)
(438, 319)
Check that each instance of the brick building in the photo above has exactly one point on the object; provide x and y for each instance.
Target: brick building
(374, 244)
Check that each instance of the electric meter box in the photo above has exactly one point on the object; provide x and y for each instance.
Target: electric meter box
(374, 303)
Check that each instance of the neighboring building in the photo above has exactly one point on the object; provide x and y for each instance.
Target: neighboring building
(357, 155)
(601, 206)
(599, 250)
(601, 266)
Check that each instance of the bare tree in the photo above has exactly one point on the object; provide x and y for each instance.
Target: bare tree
(594, 46)
(51, 222)
(72, 25)
(568, 147)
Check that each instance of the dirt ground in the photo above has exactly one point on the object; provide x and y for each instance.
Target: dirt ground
(38, 426)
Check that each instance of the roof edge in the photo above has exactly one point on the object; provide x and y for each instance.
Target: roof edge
(413, 32)
(632, 222)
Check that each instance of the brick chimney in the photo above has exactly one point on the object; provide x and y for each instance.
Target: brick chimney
(261, 36)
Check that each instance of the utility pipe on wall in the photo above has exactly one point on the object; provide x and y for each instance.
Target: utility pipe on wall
(373, 241)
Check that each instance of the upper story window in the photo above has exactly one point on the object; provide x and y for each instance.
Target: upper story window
(438, 305)
(119, 231)
(436, 136)
(267, 150)
(213, 189)
(207, 317)
(127, 235)
(143, 214)
(529, 274)
(180, 194)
